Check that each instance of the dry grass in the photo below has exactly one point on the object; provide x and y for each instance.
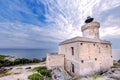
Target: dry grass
(116, 65)
(96, 76)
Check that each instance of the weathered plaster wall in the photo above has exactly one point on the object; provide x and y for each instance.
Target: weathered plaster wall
(91, 30)
(69, 58)
(88, 58)
(54, 60)
(94, 57)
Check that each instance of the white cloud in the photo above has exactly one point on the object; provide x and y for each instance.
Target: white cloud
(110, 32)
(65, 17)
(69, 15)
(107, 4)
(111, 27)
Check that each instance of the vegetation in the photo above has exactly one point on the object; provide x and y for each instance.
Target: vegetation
(11, 61)
(70, 79)
(43, 59)
(4, 60)
(116, 65)
(35, 76)
(5, 74)
(43, 71)
(118, 61)
(96, 76)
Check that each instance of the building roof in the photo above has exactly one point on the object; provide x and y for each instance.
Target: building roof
(83, 39)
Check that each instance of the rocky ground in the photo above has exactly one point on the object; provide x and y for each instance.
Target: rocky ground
(22, 73)
(112, 74)
(19, 72)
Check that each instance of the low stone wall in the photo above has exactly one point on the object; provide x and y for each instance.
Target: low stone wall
(54, 60)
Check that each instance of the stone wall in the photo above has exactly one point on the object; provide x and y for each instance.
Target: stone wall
(54, 60)
(94, 57)
(91, 30)
(88, 58)
(71, 58)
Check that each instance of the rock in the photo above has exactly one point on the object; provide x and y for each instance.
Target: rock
(117, 72)
(112, 74)
(28, 68)
(58, 75)
(115, 76)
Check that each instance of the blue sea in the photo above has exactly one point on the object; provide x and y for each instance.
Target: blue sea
(41, 53)
(26, 53)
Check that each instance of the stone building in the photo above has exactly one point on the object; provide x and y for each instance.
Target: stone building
(83, 55)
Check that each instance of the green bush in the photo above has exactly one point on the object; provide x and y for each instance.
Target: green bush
(43, 59)
(118, 61)
(35, 76)
(46, 73)
(96, 76)
(25, 61)
(35, 60)
(43, 71)
(70, 79)
(5, 61)
(39, 69)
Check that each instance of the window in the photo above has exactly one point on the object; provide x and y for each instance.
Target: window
(81, 43)
(72, 49)
(95, 59)
(106, 46)
(82, 61)
(73, 68)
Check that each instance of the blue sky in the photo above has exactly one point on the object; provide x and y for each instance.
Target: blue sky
(45, 23)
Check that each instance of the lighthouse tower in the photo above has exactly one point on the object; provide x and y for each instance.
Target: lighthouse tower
(90, 29)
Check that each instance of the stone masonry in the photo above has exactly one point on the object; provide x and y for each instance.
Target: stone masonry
(85, 55)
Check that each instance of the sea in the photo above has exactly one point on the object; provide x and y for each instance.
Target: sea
(26, 53)
(41, 53)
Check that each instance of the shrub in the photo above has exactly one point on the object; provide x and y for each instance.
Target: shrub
(70, 79)
(5, 61)
(43, 59)
(118, 61)
(39, 69)
(43, 71)
(46, 73)
(35, 76)
(35, 60)
(96, 76)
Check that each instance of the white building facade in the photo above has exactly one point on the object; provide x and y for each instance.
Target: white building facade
(85, 55)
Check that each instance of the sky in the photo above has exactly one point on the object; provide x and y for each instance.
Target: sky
(45, 23)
